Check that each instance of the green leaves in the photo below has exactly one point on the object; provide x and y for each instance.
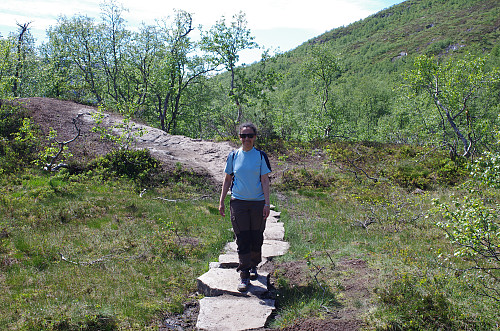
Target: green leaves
(472, 224)
(454, 87)
(473, 227)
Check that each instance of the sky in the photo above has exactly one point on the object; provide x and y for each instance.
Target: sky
(278, 25)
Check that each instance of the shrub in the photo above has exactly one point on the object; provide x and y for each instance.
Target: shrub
(472, 224)
(19, 139)
(450, 172)
(417, 307)
(297, 178)
(137, 165)
(11, 120)
(412, 176)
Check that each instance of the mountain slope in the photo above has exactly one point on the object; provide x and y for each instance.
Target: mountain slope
(373, 54)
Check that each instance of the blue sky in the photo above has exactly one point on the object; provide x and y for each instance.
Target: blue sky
(275, 24)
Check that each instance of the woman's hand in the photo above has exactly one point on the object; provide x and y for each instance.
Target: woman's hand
(222, 209)
(266, 211)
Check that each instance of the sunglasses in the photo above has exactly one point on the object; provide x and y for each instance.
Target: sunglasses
(246, 135)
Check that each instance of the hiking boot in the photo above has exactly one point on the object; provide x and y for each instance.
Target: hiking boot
(244, 284)
(253, 273)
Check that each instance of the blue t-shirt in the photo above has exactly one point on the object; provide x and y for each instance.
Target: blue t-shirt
(247, 167)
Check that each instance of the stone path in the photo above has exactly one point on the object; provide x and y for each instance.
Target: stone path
(223, 307)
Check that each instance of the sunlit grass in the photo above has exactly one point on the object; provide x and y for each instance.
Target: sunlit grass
(395, 232)
(90, 253)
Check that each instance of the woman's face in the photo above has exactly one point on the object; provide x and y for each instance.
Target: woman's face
(246, 141)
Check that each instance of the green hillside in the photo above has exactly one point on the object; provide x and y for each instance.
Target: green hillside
(351, 83)
(365, 98)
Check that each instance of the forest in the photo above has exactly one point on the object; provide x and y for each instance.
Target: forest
(384, 137)
(397, 76)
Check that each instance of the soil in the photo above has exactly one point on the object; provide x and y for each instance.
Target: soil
(208, 158)
(355, 283)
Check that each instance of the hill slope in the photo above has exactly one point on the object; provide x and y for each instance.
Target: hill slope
(365, 101)
(205, 157)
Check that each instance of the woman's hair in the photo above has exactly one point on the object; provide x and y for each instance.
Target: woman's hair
(248, 125)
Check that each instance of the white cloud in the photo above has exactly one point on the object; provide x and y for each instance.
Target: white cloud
(275, 23)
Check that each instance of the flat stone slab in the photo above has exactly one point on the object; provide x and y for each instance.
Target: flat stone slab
(274, 231)
(270, 248)
(275, 214)
(229, 260)
(219, 281)
(233, 313)
(271, 219)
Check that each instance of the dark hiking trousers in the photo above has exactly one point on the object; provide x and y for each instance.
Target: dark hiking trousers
(248, 225)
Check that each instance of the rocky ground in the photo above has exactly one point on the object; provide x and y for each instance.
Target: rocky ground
(206, 157)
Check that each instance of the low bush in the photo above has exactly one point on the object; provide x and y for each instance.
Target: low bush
(11, 120)
(412, 176)
(420, 303)
(300, 177)
(137, 165)
(19, 139)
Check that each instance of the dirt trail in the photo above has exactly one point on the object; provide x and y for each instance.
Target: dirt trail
(202, 156)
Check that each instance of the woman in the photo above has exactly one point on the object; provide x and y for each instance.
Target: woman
(246, 173)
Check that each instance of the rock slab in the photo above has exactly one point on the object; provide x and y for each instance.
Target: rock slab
(219, 281)
(233, 313)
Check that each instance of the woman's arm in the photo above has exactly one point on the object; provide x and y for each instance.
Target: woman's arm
(264, 179)
(225, 188)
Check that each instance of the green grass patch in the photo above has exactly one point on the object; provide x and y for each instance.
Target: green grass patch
(78, 252)
(393, 230)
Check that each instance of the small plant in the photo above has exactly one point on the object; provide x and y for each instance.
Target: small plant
(282, 159)
(55, 152)
(127, 130)
(415, 307)
(412, 176)
(301, 177)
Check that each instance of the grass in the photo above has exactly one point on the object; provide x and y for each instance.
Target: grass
(392, 228)
(94, 255)
(412, 290)
(95, 251)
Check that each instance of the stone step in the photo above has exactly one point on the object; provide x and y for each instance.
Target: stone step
(275, 214)
(270, 248)
(229, 260)
(272, 220)
(233, 313)
(224, 307)
(274, 231)
(219, 281)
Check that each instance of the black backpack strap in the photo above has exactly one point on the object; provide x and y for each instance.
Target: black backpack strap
(231, 155)
(263, 155)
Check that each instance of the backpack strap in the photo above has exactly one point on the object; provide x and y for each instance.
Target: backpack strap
(231, 155)
(263, 155)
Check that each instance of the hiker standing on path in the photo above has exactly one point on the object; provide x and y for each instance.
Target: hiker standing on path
(246, 173)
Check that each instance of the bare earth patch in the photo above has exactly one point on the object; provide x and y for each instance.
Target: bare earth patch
(357, 282)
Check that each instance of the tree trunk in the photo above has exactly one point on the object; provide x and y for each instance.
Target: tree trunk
(452, 123)
(19, 64)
